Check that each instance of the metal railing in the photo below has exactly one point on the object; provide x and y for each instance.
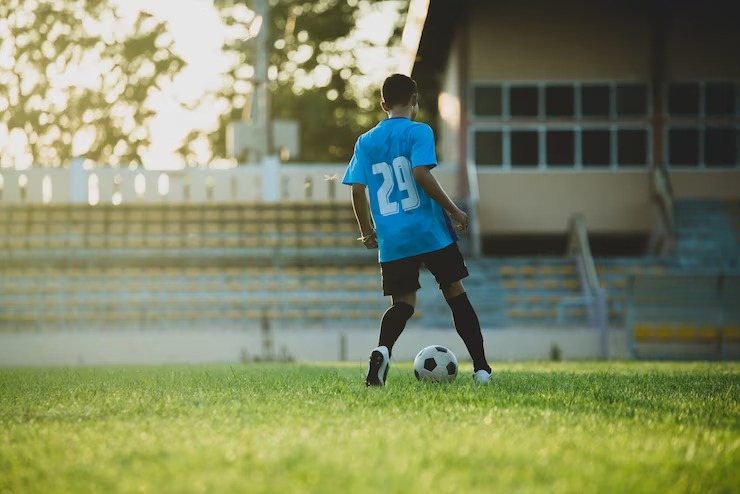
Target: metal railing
(664, 236)
(594, 294)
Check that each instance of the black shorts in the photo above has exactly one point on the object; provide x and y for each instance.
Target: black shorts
(402, 276)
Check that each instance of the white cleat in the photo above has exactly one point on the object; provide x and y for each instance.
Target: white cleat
(378, 367)
(482, 376)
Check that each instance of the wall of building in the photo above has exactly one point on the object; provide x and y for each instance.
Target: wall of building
(703, 41)
(76, 348)
(580, 40)
(450, 109)
(543, 40)
(706, 184)
(544, 201)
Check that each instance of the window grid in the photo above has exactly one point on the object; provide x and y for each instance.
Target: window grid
(578, 164)
(613, 122)
(542, 104)
(542, 144)
(700, 144)
(614, 147)
(702, 100)
(578, 109)
(700, 123)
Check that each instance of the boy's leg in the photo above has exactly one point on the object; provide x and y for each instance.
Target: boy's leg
(467, 324)
(394, 319)
(448, 267)
(400, 281)
(392, 325)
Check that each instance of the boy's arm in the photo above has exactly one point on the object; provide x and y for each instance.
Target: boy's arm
(426, 180)
(363, 216)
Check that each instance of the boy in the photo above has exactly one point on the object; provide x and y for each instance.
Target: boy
(407, 220)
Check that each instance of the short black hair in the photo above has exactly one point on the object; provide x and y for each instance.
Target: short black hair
(398, 89)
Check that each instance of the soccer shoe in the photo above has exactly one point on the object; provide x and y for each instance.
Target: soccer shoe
(482, 376)
(377, 371)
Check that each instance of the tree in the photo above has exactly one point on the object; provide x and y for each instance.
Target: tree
(315, 77)
(75, 78)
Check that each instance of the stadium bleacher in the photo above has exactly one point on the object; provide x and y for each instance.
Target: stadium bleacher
(299, 265)
(125, 231)
(708, 233)
(691, 310)
(685, 315)
(140, 266)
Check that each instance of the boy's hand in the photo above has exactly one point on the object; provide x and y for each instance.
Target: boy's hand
(369, 241)
(461, 218)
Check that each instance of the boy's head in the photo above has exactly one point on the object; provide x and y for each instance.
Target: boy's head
(398, 90)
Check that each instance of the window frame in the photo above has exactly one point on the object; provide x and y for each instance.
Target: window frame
(577, 100)
(577, 129)
(701, 130)
(700, 123)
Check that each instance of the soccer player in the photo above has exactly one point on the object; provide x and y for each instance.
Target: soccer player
(408, 220)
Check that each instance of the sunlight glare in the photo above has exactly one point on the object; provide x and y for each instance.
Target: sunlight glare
(93, 189)
(46, 189)
(255, 27)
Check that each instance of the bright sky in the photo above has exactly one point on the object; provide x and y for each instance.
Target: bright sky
(199, 35)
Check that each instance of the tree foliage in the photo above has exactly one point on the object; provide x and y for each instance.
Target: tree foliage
(75, 79)
(314, 74)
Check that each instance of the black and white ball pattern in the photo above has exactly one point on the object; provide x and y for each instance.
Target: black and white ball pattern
(435, 363)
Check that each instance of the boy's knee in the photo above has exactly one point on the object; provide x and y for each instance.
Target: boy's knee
(453, 290)
(403, 310)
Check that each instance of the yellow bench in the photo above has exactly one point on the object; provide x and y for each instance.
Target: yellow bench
(681, 333)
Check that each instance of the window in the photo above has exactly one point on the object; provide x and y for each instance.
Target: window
(720, 99)
(487, 101)
(683, 146)
(707, 128)
(590, 124)
(560, 147)
(524, 148)
(595, 101)
(683, 99)
(596, 148)
(559, 101)
(523, 101)
(631, 100)
(720, 146)
(632, 146)
(488, 147)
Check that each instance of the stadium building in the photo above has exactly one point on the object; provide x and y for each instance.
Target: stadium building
(547, 109)
(595, 143)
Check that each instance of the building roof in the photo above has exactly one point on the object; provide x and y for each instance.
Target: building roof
(426, 40)
(436, 35)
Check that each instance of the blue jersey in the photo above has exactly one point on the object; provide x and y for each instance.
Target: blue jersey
(408, 222)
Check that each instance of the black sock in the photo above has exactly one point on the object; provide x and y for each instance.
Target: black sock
(468, 327)
(393, 323)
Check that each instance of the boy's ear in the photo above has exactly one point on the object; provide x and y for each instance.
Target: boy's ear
(414, 99)
(384, 106)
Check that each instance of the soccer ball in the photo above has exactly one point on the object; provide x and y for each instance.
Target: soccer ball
(435, 363)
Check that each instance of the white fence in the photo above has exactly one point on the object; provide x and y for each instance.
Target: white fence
(106, 185)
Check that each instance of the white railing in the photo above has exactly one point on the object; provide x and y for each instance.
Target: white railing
(272, 182)
(107, 185)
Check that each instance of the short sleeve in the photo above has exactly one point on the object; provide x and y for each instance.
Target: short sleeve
(422, 146)
(355, 173)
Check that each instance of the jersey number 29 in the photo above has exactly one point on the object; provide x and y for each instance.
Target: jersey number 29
(401, 170)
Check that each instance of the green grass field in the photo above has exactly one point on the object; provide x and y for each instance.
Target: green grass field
(271, 428)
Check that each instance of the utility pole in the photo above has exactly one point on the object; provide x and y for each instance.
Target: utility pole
(261, 110)
(263, 119)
